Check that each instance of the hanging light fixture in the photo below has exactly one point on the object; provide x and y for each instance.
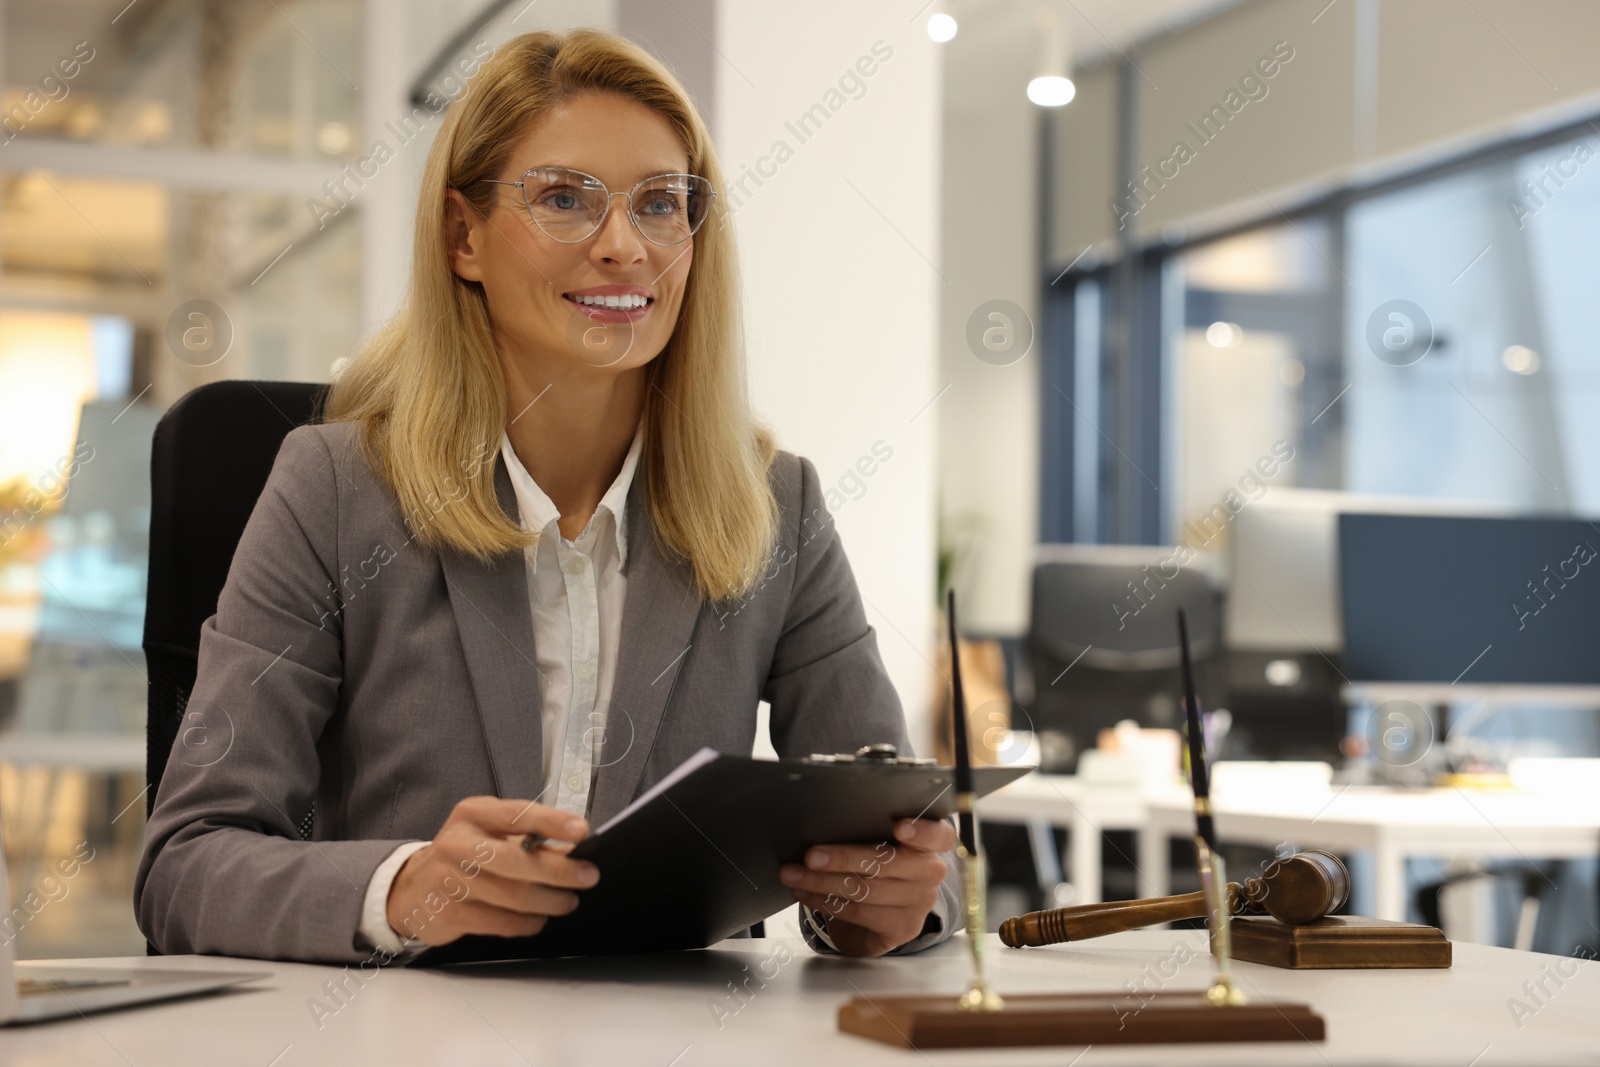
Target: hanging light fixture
(1052, 86)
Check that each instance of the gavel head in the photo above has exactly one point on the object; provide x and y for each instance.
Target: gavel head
(1304, 887)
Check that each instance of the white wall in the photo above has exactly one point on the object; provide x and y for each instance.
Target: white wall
(989, 420)
(842, 298)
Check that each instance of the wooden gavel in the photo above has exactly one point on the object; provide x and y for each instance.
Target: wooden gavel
(1297, 890)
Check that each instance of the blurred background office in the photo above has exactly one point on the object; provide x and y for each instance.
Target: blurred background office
(1277, 310)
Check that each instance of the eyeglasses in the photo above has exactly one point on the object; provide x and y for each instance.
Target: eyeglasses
(569, 205)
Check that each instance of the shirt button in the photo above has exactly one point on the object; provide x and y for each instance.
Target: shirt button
(576, 564)
(585, 671)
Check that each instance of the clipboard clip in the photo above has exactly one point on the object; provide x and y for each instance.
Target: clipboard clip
(882, 752)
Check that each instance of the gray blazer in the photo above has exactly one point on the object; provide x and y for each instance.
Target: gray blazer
(349, 666)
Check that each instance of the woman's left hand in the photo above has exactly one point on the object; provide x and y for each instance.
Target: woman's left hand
(876, 897)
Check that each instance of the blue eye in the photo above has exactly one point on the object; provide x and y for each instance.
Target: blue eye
(561, 199)
(661, 206)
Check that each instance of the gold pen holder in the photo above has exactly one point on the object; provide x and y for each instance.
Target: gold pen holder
(1214, 881)
(980, 1019)
(974, 882)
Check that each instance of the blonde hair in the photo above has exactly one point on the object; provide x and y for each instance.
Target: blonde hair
(428, 390)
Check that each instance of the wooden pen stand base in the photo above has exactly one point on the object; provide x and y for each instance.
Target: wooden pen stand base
(1337, 942)
(924, 1022)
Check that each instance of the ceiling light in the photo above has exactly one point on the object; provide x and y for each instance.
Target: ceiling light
(1520, 359)
(1052, 83)
(1224, 335)
(941, 27)
(1049, 90)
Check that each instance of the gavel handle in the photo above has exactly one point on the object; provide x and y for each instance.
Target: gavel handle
(1096, 920)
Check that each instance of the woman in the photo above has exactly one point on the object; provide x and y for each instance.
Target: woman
(539, 521)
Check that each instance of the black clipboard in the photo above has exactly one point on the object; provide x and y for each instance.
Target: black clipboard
(695, 859)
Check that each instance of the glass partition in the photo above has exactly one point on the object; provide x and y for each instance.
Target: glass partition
(154, 154)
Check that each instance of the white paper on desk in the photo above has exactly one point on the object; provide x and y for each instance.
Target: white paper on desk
(678, 774)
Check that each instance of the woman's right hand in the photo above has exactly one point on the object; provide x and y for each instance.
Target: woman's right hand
(475, 878)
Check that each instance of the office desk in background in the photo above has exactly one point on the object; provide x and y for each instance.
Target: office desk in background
(28, 814)
(662, 1011)
(1084, 811)
(1390, 825)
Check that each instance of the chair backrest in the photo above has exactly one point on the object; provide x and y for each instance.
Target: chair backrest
(211, 456)
(1103, 641)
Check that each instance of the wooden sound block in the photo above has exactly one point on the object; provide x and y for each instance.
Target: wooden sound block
(923, 1022)
(1339, 941)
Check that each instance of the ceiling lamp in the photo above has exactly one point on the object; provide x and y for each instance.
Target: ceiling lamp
(1052, 86)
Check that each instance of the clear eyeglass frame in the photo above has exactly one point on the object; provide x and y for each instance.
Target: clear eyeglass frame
(694, 225)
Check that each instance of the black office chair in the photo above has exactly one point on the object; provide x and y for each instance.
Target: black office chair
(209, 462)
(1103, 643)
(1100, 651)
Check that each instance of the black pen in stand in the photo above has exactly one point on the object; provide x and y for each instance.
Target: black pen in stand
(980, 997)
(1213, 873)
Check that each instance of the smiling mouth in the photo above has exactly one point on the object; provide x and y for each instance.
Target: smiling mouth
(611, 303)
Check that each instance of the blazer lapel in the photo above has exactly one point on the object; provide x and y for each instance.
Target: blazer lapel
(490, 602)
(658, 621)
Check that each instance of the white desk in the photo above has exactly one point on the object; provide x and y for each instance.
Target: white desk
(1388, 824)
(1081, 809)
(1391, 825)
(655, 1012)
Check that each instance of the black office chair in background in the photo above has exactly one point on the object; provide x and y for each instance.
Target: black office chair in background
(1102, 646)
(211, 456)
(1103, 643)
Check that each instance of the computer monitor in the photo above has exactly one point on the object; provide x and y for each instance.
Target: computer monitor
(1283, 574)
(1286, 673)
(1447, 600)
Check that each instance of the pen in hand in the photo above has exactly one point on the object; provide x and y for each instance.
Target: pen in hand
(575, 828)
(528, 893)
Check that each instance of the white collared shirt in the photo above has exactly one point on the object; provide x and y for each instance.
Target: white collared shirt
(575, 595)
